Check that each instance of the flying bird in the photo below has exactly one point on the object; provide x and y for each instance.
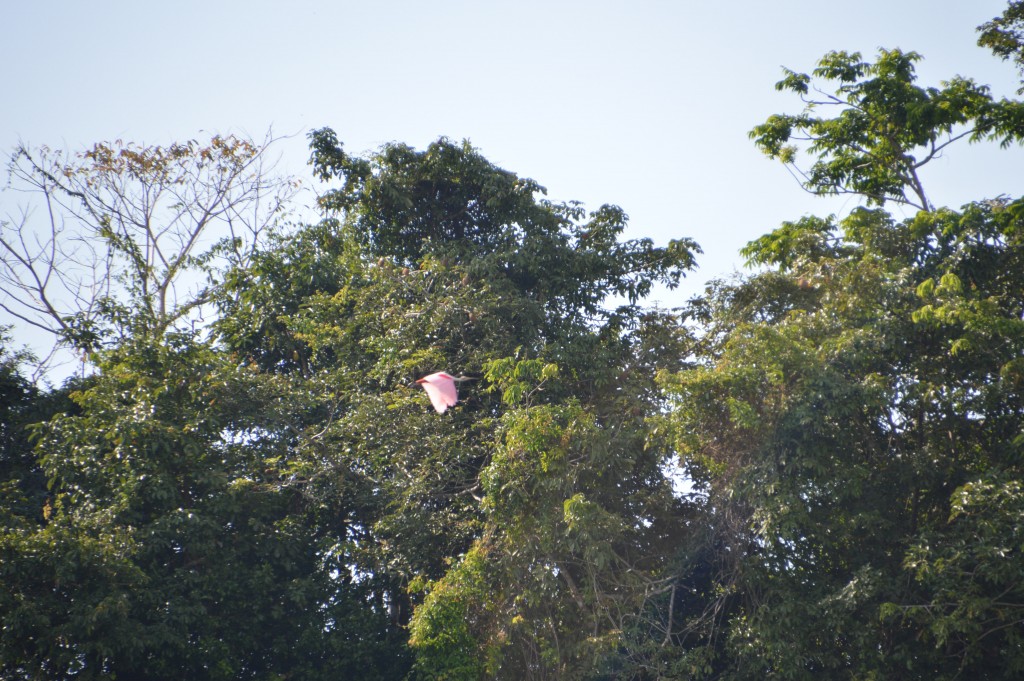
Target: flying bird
(441, 390)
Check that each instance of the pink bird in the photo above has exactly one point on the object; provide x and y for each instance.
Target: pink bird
(441, 390)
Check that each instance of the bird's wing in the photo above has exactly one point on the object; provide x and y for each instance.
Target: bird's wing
(441, 391)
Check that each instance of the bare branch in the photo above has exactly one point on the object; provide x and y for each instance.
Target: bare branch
(136, 225)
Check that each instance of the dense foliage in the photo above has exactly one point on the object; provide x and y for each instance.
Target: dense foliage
(812, 471)
(858, 428)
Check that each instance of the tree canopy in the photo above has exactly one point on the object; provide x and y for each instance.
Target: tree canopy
(887, 127)
(812, 470)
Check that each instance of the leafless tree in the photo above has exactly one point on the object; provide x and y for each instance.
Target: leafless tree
(123, 235)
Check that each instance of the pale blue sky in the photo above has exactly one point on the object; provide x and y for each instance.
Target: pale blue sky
(643, 104)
